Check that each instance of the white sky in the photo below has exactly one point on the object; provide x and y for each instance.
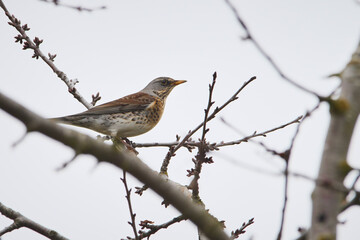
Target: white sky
(118, 51)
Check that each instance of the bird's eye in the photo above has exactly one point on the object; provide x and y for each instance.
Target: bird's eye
(164, 82)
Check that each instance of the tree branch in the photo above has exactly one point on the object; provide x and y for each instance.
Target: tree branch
(211, 116)
(34, 44)
(128, 199)
(84, 144)
(235, 234)
(200, 157)
(334, 167)
(78, 8)
(255, 134)
(22, 221)
(250, 37)
(154, 228)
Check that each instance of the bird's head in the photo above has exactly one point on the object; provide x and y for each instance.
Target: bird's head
(162, 86)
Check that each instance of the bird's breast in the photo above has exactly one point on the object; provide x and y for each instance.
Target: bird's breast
(154, 111)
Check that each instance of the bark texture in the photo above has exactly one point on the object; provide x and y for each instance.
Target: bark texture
(328, 197)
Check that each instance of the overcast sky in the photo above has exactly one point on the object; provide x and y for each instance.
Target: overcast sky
(119, 50)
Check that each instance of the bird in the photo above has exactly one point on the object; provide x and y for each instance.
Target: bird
(129, 116)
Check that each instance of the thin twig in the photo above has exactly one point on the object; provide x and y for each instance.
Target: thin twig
(95, 98)
(20, 140)
(78, 8)
(319, 182)
(210, 103)
(255, 134)
(235, 234)
(156, 144)
(250, 37)
(65, 164)
(193, 144)
(155, 228)
(286, 189)
(286, 156)
(200, 157)
(128, 198)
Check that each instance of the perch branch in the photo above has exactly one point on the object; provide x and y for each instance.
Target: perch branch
(84, 144)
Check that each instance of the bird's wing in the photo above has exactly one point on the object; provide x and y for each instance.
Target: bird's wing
(134, 102)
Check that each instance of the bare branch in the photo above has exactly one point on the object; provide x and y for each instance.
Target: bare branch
(235, 234)
(34, 45)
(22, 221)
(334, 167)
(95, 98)
(154, 228)
(250, 37)
(211, 116)
(210, 103)
(78, 8)
(255, 134)
(128, 199)
(203, 148)
(192, 144)
(84, 144)
(156, 144)
(284, 155)
(65, 164)
(20, 140)
(286, 175)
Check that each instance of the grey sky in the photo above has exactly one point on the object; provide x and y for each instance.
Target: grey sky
(118, 51)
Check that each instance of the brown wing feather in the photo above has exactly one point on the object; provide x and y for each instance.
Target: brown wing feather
(130, 103)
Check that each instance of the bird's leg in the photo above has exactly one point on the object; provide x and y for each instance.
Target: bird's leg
(123, 143)
(128, 144)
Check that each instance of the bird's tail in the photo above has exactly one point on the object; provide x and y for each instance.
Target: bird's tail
(74, 120)
(64, 120)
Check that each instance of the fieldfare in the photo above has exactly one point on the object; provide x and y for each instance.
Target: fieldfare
(128, 116)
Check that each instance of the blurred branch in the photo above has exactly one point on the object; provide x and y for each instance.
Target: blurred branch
(355, 200)
(78, 8)
(84, 144)
(22, 221)
(35, 46)
(286, 157)
(334, 167)
(251, 38)
(356, 180)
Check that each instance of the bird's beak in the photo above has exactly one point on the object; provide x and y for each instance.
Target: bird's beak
(177, 82)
